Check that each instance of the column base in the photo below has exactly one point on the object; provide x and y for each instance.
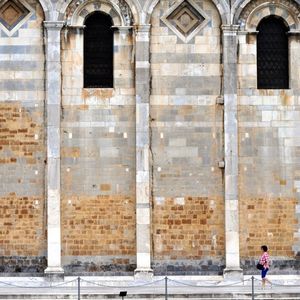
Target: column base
(143, 274)
(54, 273)
(235, 274)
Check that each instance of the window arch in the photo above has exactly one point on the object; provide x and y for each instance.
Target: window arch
(98, 51)
(272, 54)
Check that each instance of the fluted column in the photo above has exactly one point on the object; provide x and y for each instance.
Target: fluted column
(232, 269)
(53, 105)
(143, 210)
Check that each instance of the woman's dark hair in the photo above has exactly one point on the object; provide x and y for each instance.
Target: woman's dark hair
(264, 247)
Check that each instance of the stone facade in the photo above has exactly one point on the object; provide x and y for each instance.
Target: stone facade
(97, 161)
(268, 156)
(183, 167)
(186, 143)
(22, 138)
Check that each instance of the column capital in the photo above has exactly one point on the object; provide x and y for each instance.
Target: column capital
(230, 29)
(69, 26)
(245, 32)
(143, 28)
(54, 25)
(142, 33)
(294, 32)
(123, 29)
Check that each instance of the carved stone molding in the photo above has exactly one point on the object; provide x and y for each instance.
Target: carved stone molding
(126, 12)
(55, 25)
(119, 11)
(256, 10)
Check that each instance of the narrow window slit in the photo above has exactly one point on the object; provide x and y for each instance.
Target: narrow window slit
(98, 51)
(272, 54)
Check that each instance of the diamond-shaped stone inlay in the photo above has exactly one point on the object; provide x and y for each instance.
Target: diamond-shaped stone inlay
(185, 19)
(11, 13)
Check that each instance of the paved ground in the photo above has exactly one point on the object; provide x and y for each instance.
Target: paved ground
(176, 287)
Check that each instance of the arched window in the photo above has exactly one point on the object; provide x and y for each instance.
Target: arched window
(272, 54)
(98, 51)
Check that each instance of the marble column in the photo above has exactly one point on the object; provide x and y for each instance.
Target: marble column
(53, 109)
(143, 204)
(232, 270)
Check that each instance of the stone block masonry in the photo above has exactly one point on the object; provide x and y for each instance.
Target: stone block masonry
(186, 144)
(22, 148)
(182, 167)
(98, 163)
(102, 227)
(277, 220)
(277, 224)
(268, 161)
(187, 231)
(22, 226)
(22, 136)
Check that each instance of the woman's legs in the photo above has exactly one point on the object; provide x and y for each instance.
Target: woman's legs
(264, 278)
(268, 281)
(263, 283)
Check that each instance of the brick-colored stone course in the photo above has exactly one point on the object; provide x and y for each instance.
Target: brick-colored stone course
(22, 226)
(22, 155)
(188, 227)
(267, 221)
(21, 135)
(102, 225)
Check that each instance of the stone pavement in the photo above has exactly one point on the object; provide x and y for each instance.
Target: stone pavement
(179, 287)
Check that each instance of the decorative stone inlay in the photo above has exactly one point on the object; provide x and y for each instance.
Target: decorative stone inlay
(13, 14)
(186, 19)
(119, 10)
(126, 12)
(256, 10)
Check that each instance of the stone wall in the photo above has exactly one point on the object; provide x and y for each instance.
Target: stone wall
(98, 163)
(188, 235)
(22, 147)
(268, 161)
(186, 144)
(143, 176)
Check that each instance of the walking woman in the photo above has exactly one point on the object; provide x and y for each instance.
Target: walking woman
(265, 261)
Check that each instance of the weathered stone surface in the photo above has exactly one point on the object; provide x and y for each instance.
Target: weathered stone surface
(206, 266)
(22, 226)
(276, 220)
(102, 225)
(22, 148)
(188, 228)
(138, 173)
(268, 159)
(32, 265)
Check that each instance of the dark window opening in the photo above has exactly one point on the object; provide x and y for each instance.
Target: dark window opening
(272, 54)
(98, 51)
